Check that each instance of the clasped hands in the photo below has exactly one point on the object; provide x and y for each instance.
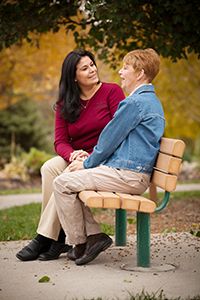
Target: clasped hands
(76, 158)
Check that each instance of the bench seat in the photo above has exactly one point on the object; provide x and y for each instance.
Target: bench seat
(117, 200)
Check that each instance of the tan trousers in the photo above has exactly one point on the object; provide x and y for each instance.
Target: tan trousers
(49, 224)
(76, 224)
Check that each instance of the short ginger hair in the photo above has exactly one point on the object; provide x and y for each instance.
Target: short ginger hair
(146, 59)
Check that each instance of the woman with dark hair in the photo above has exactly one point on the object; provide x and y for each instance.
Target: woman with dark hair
(69, 87)
(84, 107)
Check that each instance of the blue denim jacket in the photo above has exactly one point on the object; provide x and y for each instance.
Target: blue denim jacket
(131, 140)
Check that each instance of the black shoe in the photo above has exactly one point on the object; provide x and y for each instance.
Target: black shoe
(76, 252)
(32, 251)
(95, 244)
(54, 251)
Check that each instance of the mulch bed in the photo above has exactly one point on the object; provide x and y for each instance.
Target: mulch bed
(178, 216)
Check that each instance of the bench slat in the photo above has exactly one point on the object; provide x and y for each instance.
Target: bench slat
(172, 146)
(91, 199)
(168, 164)
(129, 202)
(165, 181)
(110, 200)
(137, 203)
(147, 205)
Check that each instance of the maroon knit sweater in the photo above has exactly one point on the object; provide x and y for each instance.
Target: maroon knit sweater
(83, 134)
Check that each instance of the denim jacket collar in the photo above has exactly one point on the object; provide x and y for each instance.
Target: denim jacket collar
(140, 87)
(147, 88)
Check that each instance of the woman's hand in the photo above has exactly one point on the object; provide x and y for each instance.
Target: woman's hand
(76, 165)
(76, 158)
(78, 155)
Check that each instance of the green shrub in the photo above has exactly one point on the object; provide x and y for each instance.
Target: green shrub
(22, 126)
(35, 159)
(25, 165)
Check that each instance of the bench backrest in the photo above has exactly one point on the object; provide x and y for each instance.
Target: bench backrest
(168, 164)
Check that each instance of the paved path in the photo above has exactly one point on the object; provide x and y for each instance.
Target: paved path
(18, 200)
(103, 277)
(21, 199)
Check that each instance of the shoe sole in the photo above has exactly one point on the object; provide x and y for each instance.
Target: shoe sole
(49, 258)
(31, 251)
(26, 259)
(92, 256)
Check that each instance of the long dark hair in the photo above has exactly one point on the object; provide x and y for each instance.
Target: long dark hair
(69, 91)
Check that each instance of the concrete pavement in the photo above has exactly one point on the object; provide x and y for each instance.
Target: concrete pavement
(19, 199)
(103, 277)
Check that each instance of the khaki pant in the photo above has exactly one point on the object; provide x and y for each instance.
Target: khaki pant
(77, 222)
(49, 224)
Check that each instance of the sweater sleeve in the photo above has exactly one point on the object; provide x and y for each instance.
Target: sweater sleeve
(126, 118)
(62, 141)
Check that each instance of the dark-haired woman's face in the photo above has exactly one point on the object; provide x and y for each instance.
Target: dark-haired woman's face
(86, 72)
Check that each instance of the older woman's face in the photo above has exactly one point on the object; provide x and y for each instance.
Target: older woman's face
(131, 78)
(128, 77)
(86, 72)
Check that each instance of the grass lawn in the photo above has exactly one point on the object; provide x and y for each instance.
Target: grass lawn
(20, 191)
(20, 223)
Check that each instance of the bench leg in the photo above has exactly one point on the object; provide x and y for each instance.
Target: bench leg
(143, 239)
(120, 227)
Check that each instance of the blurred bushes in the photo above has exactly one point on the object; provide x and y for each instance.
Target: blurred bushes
(34, 160)
(22, 127)
(26, 165)
(16, 169)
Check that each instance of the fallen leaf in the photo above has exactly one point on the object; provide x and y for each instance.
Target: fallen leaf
(44, 279)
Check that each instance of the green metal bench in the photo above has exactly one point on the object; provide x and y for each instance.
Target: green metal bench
(164, 176)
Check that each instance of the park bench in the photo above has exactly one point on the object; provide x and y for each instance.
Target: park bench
(164, 176)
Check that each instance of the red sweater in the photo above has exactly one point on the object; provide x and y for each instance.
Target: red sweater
(84, 133)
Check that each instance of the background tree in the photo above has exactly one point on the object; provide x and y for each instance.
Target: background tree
(32, 71)
(21, 127)
(178, 86)
(111, 27)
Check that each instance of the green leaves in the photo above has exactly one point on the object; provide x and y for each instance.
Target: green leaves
(31, 16)
(171, 27)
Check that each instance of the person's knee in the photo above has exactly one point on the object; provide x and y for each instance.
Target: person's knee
(64, 183)
(53, 166)
(56, 183)
(60, 186)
